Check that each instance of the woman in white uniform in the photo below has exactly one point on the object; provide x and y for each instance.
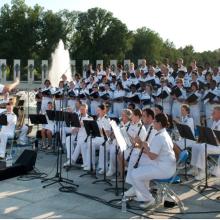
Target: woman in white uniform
(160, 163)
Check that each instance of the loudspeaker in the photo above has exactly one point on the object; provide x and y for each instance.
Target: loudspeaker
(22, 165)
(27, 159)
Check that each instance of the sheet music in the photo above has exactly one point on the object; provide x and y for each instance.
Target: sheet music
(119, 136)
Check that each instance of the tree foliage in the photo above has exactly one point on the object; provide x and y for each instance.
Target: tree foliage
(33, 33)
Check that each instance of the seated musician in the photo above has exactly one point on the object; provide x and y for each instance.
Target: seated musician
(186, 120)
(126, 116)
(48, 130)
(97, 142)
(198, 149)
(136, 156)
(78, 136)
(160, 163)
(7, 131)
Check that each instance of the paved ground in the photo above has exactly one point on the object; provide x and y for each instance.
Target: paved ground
(27, 199)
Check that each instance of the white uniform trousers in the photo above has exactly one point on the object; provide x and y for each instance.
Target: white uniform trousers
(112, 159)
(198, 154)
(65, 131)
(3, 142)
(195, 113)
(70, 144)
(96, 143)
(117, 109)
(93, 106)
(176, 109)
(23, 135)
(101, 161)
(81, 147)
(141, 177)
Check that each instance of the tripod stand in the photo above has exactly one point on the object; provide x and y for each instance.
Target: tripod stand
(208, 136)
(116, 189)
(92, 131)
(58, 116)
(186, 133)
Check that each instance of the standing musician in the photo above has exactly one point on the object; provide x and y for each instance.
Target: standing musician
(59, 97)
(78, 136)
(160, 163)
(7, 131)
(198, 150)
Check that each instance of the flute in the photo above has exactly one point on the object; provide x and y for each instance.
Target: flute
(142, 149)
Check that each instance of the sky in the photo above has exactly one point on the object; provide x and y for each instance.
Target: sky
(184, 22)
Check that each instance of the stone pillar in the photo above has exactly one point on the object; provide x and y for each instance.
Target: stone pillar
(99, 62)
(3, 68)
(44, 70)
(73, 68)
(85, 67)
(17, 69)
(127, 64)
(140, 62)
(113, 65)
(30, 71)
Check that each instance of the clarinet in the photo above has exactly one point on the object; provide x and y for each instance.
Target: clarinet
(129, 156)
(142, 149)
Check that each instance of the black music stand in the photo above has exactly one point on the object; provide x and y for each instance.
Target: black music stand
(186, 133)
(71, 119)
(92, 131)
(3, 119)
(207, 135)
(104, 180)
(116, 189)
(38, 119)
(59, 117)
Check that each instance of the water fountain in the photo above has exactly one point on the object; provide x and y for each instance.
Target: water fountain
(60, 65)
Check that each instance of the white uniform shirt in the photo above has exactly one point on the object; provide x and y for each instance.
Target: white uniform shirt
(216, 125)
(10, 127)
(189, 122)
(162, 145)
(118, 93)
(134, 129)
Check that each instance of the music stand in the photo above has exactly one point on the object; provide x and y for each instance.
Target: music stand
(186, 133)
(3, 119)
(123, 146)
(59, 117)
(209, 138)
(105, 180)
(38, 119)
(92, 131)
(71, 119)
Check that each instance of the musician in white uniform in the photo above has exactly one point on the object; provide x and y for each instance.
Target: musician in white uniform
(147, 118)
(48, 130)
(103, 123)
(125, 124)
(8, 130)
(160, 162)
(78, 135)
(46, 93)
(198, 150)
(186, 120)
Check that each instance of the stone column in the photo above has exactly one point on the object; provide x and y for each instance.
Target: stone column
(17, 69)
(73, 67)
(85, 67)
(30, 71)
(44, 70)
(127, 64)
(113, 65)
(3, 68)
